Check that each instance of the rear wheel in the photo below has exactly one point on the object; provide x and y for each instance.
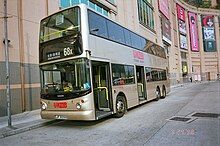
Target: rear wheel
(164, 93)
(120, 107)
(158, 94)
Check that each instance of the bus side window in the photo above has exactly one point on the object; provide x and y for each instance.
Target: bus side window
(148, 77)
(148, 74)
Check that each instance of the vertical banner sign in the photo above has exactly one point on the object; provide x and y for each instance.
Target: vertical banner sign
(182, 26)
(166, 29)
(180, 12)
(193, 31)
(208, 33)
(164, 8)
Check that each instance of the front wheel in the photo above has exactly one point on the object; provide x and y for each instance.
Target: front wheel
(120, 107)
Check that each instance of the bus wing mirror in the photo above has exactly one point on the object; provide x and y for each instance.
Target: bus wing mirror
(94, 30)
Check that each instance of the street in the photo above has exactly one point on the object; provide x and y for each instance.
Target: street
(148, 124)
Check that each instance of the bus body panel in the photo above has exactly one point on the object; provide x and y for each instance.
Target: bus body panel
(88, 115)
(122, 54)
(130, 92)
(152, 86)
(68, 109)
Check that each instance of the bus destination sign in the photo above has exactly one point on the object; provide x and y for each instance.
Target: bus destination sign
(56, 55)
(53, 55)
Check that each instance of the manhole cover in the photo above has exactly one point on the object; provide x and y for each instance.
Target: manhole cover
(183, 119)
(208, 115)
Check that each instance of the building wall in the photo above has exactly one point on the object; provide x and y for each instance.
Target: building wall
(203, 65)
(23, 30)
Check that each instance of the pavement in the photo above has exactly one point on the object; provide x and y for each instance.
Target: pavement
(31, 120)
(22, 122)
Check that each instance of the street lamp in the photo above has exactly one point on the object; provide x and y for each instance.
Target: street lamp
(6, 43)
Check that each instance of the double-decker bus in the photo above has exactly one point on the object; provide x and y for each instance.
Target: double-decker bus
(92, 67)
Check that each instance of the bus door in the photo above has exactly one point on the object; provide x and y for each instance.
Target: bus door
(101, 87)
(141, 84)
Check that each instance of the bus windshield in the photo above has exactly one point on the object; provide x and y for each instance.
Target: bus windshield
(69, 78)
(61, 24)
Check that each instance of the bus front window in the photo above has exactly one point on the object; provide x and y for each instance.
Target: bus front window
(64, 23)
(68, 78)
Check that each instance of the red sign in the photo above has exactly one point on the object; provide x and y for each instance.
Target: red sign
(138, 55)
(180, 12)
(164, 8)
(193, 31)
(60, 105)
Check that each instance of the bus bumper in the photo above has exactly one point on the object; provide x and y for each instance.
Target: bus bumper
(69, 115)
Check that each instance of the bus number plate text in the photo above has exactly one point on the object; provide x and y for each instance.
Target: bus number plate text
(60, 105)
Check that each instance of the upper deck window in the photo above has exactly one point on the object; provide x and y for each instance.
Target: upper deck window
(105, 28)
(60, 24)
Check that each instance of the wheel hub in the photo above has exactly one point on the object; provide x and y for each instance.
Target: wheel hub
(120, 106)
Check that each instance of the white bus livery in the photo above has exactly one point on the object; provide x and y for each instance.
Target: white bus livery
(92, 67)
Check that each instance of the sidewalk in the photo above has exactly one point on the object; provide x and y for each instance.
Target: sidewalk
(189, 83)
(22, 122)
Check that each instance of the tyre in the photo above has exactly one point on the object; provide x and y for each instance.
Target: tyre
(158, 95)
(164, 93)
(120, 107)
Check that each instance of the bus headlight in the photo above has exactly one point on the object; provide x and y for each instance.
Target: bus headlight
(43, 105)
(78, 106)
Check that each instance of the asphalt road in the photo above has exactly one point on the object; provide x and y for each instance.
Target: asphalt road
(147, 124)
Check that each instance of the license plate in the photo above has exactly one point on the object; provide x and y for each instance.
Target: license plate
(60, 105)
(60, 117)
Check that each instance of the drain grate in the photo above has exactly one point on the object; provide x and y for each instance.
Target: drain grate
(208, 115)
(183, 119)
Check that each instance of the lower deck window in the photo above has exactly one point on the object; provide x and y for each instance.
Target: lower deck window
(122, 74)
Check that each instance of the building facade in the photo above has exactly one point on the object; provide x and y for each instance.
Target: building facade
(189, 34)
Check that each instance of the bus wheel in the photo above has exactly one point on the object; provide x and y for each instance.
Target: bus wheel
(158, 94)
(120, 107)
(164, 93)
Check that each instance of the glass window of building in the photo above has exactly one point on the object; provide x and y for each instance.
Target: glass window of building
(68, 3)
(111, 1)
(145, 13)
